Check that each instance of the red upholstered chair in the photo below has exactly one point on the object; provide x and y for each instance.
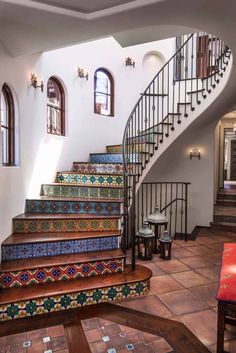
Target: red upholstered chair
(226, 295)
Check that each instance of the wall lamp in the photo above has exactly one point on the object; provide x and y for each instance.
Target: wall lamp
(82, 73)
(129, 61)
(35, 82)
(195, 153)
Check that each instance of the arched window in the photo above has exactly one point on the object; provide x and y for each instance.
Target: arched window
(55, 107)
(7, 126)
(103, 93)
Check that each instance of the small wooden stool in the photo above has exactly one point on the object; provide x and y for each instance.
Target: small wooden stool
(226, 295)
(156, 232)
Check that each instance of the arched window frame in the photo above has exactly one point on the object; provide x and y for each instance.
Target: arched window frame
(111, 94)
(61, 108)
(9, 127)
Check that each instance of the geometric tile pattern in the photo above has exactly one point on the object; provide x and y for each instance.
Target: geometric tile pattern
(111, 157)
(95, 192)
(50, 304)
(132, 147)
(64, 225)
(88, 179)
(30, 277)
(26, 251)
(80, 207)
(99, 168)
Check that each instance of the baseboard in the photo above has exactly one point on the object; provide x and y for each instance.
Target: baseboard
(193, 235)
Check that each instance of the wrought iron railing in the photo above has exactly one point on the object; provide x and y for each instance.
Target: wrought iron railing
(177, 89)
(172, 199)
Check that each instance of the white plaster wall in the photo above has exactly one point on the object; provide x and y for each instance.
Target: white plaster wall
(41, 155)
(175, 165)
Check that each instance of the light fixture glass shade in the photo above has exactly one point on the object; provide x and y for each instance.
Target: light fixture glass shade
(145, 230)
(157, 216)
(166, 238)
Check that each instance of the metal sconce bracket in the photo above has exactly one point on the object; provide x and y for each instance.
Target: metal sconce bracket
(129, 61)
(34, 82)
(82, 73)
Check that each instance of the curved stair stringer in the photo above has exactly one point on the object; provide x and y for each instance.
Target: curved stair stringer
(198, 113)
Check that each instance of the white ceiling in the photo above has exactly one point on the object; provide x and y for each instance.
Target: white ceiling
(86, 6)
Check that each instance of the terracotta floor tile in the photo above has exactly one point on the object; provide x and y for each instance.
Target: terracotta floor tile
(148, 337)
(190, 279)
(161, 346)
(58, 343)
(182, 302)
(212, 272)
(93, 335)
(18, 349)
(36, 335)
(142, 348)
(215, 258)
(196, 262)
(207, 240)
(98, 347)
(185, 244)
(206, 293)
(172, 266)
(126, 328)
(203, 324)
(111, 330)
(181, 253)
(164, 284)
(150, 304)
(37, 347)
(201, 249)
(15, 340)
(117, 342)
(134, 337)
(216, 247)
(90, 324)
(55, 331)
(156, 270)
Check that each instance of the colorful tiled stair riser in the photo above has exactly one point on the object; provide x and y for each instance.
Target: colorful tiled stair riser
(91, 168)
(112, 157)
(82, 191)
(69, 301)
(27, 251)
(60, 273)
(80, 207)
(86, 179)
(62, 225)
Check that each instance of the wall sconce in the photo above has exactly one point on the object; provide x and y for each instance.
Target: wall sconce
(82, 73)
(195, 153)
(129, 61)
(34, 82)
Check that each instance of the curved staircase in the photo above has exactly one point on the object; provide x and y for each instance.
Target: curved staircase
(64, 251)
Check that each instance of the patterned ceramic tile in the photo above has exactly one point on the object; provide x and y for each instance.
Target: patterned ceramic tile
(25, 251)
(73, 300)
(30, 277)
(94, 192)
(88, 179)
(135, 147)
(111, 158)
(91, 168)
(53, 206)
(65, 225)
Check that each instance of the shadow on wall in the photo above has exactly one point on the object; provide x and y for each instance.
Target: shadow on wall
(152, 62)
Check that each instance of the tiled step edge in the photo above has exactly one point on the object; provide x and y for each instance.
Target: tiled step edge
(29, 272)
(51, 297)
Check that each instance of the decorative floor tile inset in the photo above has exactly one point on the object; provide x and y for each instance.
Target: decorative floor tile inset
(37, 343)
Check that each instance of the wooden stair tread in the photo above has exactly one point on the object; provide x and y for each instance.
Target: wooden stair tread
(84, 186)
(73, 199)
(53, 216)
(91, 163)
(68, 259)
(27, 238)
(14, 295)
